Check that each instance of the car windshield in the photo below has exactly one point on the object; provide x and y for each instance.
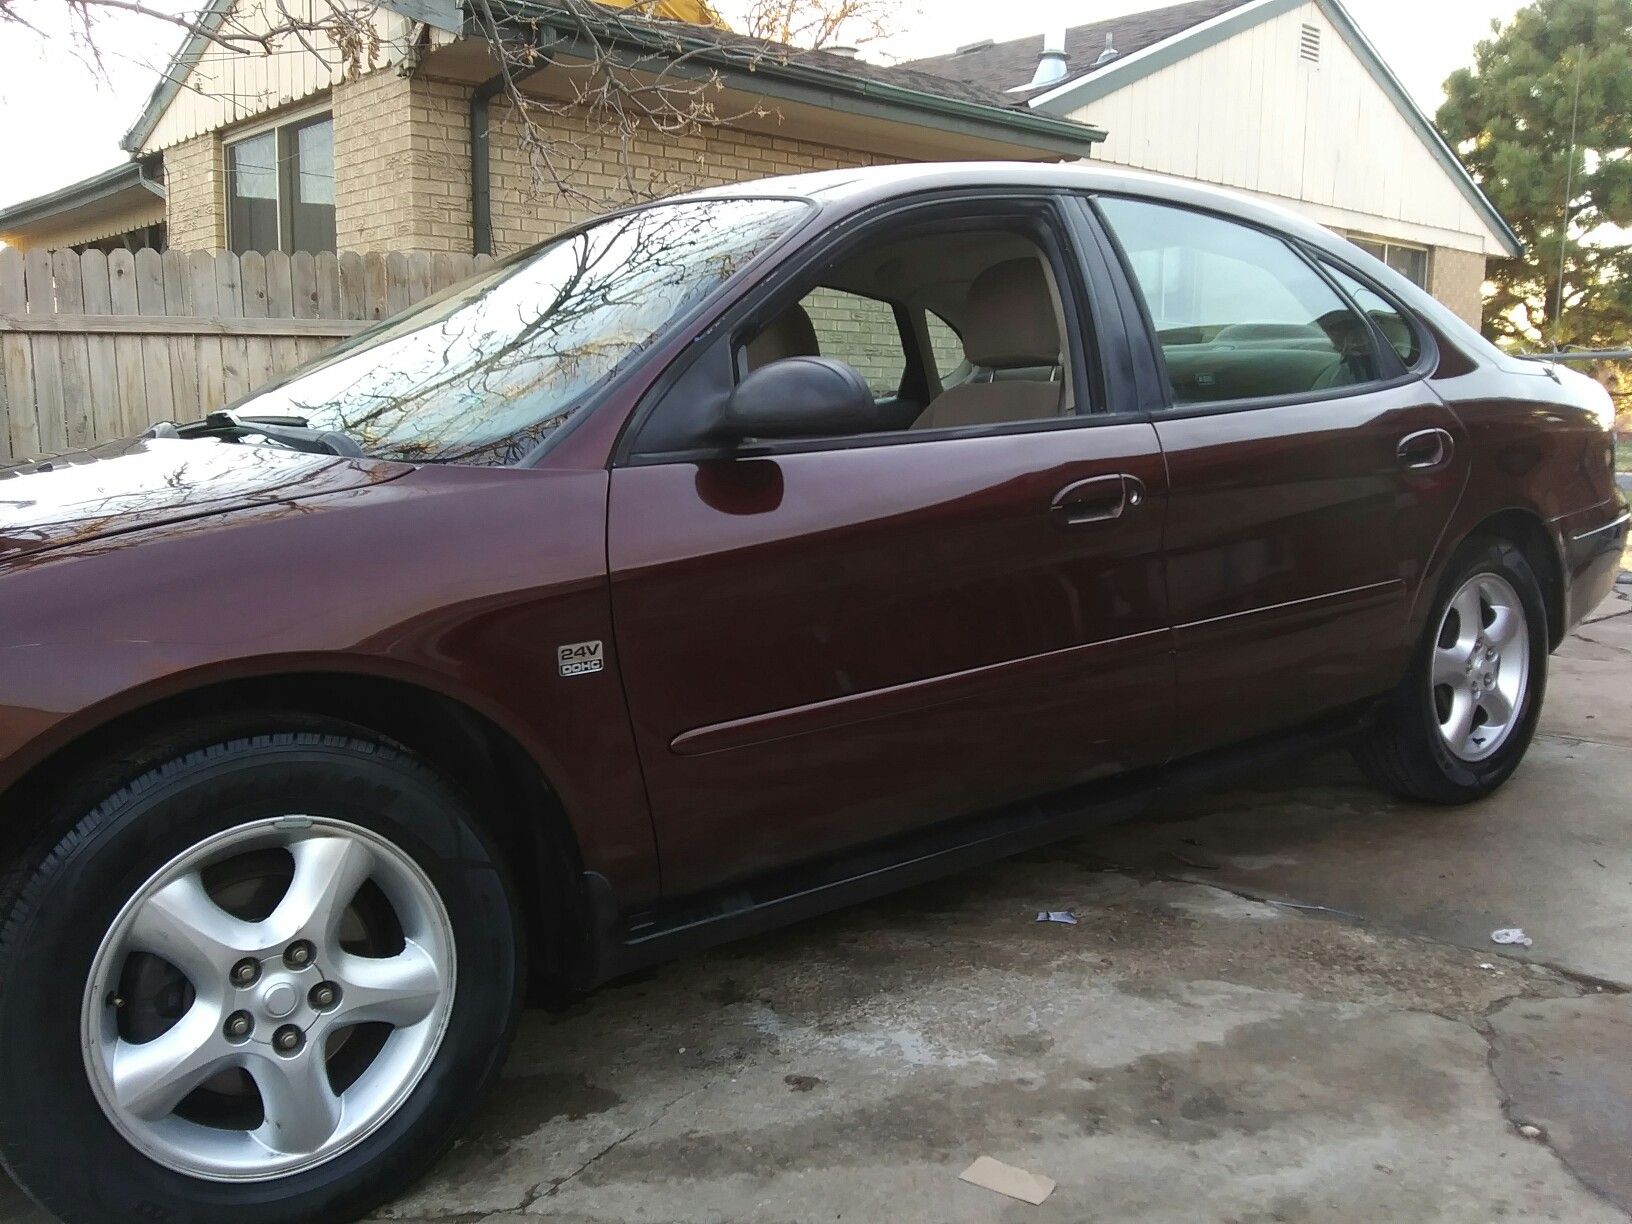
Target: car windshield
(480, 373)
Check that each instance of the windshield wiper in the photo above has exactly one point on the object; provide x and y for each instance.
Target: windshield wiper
(290, 431)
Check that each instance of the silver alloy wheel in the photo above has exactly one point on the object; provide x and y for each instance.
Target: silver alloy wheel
(1481, 667)
(267, 1006)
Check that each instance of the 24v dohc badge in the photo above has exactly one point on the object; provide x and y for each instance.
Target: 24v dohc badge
(580, 658)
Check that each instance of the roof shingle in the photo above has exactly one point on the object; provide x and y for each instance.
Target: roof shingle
(1003, 66)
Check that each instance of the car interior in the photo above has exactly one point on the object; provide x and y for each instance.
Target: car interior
(950, 329)
(954, 328)
(1258, 360)
(1238, 313)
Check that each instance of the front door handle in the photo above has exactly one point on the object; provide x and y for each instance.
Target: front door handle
(1099, 499)
(1426, 450)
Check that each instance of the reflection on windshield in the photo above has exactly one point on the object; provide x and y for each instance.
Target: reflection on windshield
(480, 373)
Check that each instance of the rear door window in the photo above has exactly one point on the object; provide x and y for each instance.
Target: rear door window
(1238, 313)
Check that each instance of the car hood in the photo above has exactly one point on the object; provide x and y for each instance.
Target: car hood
(143, 482)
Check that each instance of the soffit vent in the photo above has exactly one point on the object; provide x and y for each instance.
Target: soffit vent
(1309, 44)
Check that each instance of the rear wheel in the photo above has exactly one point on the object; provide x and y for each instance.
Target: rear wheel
(266, 980)
(1461, 720)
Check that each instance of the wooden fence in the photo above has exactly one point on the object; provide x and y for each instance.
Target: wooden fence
(96, 346)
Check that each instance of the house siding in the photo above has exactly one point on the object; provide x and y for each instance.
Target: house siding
(225, 88)
(105, 226)
(1249, 112)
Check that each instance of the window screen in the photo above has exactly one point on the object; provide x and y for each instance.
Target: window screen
(280, 189)
(310, 180)
(252, 193)
(1238, 313)
(1409, 261)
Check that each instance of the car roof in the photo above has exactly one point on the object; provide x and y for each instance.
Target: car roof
(869, 184)
(849, 189)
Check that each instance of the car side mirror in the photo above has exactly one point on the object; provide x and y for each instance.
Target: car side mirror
(800, 397)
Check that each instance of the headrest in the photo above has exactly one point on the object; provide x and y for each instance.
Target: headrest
(790, 334)
(1008, 319)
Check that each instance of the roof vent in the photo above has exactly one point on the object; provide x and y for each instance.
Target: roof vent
(1051, 64)
(1309, 44)
(844, 52)
(979, 45)
(1107, 55)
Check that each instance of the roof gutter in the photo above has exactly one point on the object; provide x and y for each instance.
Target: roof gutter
(481, 167)
(703, 61)
(77, 195)
(481, 146)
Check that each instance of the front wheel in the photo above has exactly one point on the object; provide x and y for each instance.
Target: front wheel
(1459, 723)
(265, 981)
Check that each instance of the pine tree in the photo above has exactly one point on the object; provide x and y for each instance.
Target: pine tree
(1510, 118)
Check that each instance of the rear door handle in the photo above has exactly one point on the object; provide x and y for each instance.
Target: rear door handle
(1099, 499)
(1426, 450)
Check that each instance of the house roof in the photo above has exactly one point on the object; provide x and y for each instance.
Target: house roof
(1150, 41)
(107, 193)
(752, 63)
(1002, 66)
(820, 77)
(174, 76)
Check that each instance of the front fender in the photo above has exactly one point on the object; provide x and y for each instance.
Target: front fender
(463, 581)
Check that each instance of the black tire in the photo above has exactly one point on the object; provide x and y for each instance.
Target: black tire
(1404, 753)
(55, 1138)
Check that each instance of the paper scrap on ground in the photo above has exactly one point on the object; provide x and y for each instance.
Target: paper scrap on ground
(992, 1174)
(1065, 916)
(1511, 935)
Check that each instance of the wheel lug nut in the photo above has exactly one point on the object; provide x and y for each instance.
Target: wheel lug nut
(299, 954)
(246, 972)
(288, 1039)
(324, 996)
(239, 1026)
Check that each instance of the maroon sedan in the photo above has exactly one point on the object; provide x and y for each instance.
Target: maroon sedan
(718, 562)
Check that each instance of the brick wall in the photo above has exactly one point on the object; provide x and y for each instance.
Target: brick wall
(1457, 279)
(861, 331)
(401, 164)
(600, 167)
(402, 170)
(195, 195)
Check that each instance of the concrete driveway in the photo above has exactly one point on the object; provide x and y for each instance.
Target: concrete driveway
(1281, 1003)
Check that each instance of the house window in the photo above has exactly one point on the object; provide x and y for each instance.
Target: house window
(280, 188)
(1410, 262)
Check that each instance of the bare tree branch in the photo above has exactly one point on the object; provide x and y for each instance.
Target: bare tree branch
(829, 23)
(619, 75)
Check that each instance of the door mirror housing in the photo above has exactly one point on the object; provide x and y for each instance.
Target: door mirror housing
(800, 397)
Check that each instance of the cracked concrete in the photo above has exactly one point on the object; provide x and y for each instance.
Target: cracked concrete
(1563, 1066)
(1194, 1049)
